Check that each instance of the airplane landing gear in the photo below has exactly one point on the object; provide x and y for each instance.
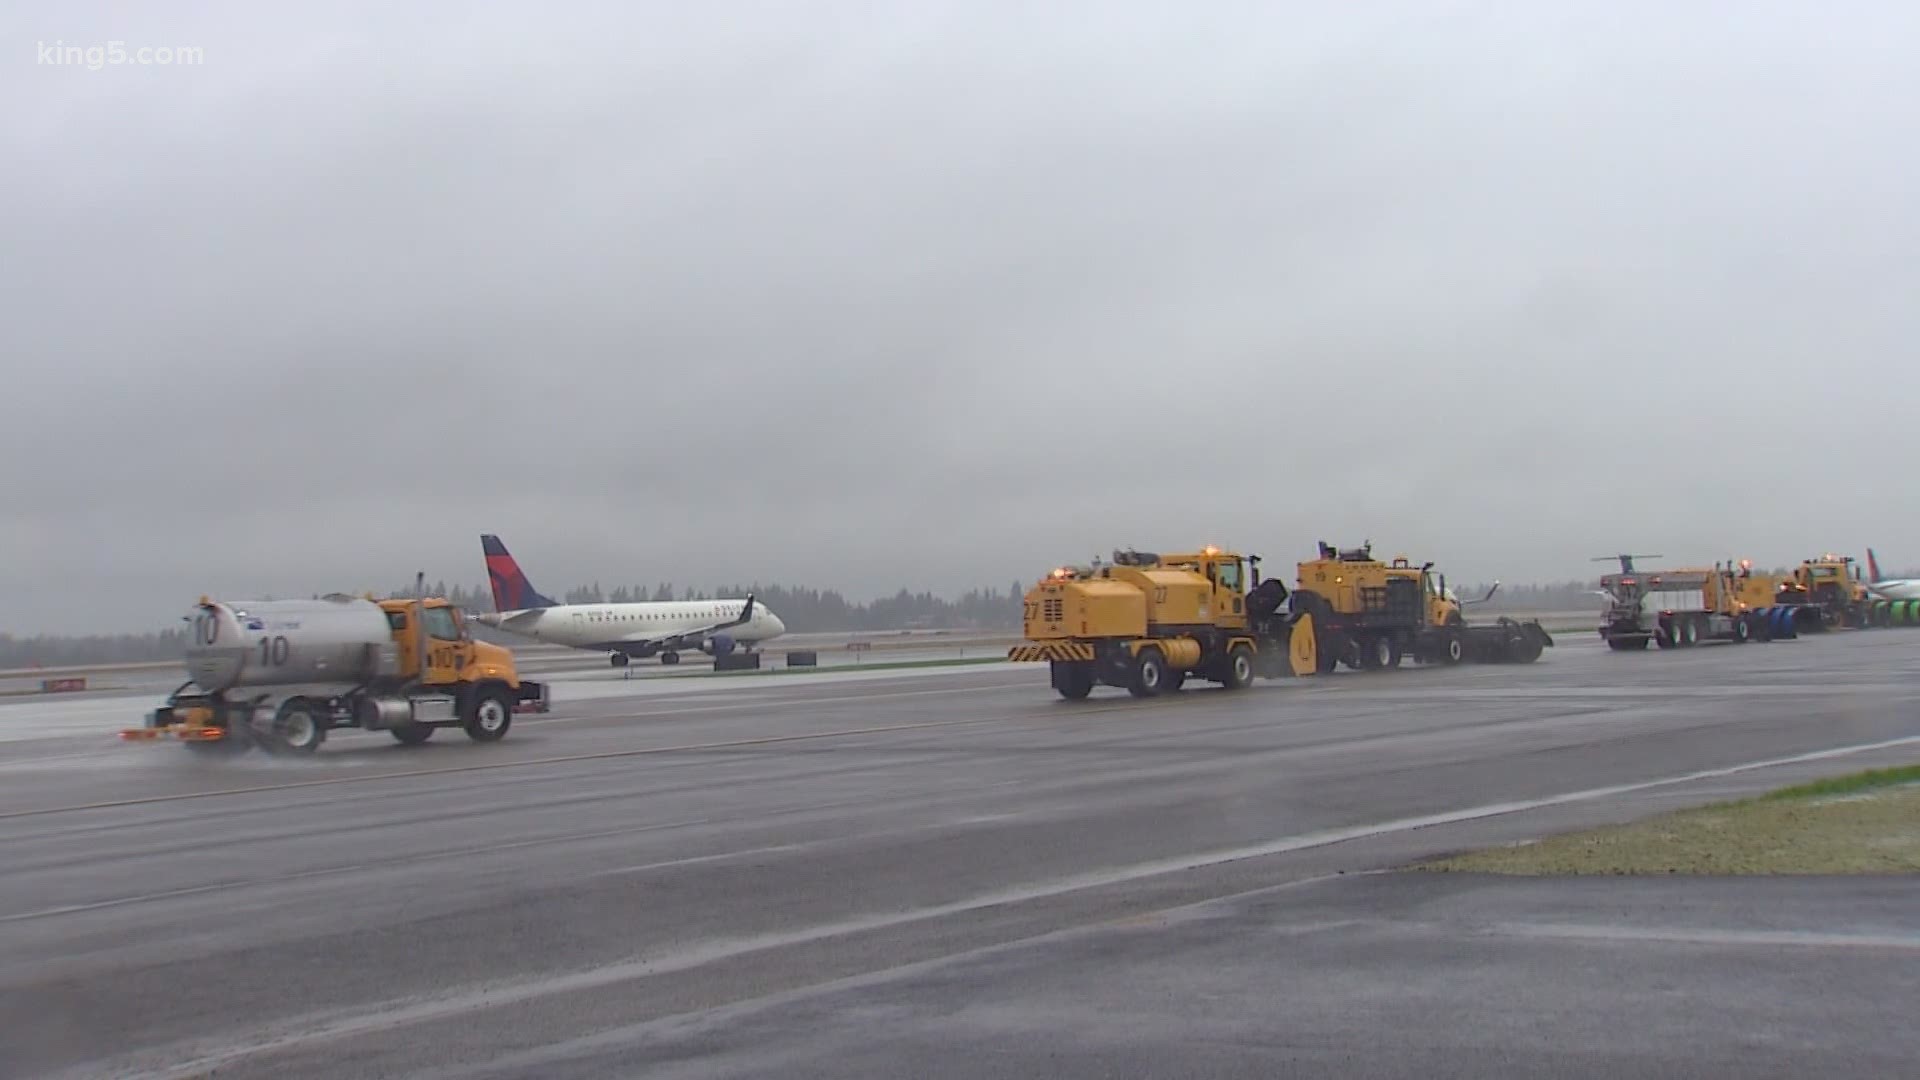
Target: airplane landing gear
(669, 658)
(618, 659)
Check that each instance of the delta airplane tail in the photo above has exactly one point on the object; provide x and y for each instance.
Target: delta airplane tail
(511, 589)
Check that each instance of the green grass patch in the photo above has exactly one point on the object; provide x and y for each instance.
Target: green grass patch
(1849, 784)
(1861, 823)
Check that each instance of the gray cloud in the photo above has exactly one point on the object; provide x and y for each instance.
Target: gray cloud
(864, 295)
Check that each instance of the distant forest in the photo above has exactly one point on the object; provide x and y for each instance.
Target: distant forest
(803, 610)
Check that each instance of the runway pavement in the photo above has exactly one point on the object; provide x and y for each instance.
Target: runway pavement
(952, 873)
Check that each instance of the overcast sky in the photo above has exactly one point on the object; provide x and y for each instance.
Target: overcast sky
(937, 295)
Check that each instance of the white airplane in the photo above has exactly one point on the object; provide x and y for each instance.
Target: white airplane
(1889, 588)
(623, 631)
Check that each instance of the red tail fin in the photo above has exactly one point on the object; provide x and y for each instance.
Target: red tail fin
(511, 589)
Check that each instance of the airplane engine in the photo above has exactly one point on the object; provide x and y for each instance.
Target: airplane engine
(718, 645)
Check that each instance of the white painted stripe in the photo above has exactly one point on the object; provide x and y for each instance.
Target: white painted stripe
(1679, 935)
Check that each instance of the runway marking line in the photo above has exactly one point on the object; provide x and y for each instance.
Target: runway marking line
(408, 1012)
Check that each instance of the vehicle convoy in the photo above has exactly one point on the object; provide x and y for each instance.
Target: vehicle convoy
(1148, 622)
(1682, 607)
(1371, 615)
(279, 674)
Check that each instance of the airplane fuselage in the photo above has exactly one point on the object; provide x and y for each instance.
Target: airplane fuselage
(1895, 588)
(640, 629)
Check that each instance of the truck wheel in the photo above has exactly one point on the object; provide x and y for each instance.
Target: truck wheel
(297, 729)
(1395, 653)
(1689, 633)
(1239, 668)
(1149, 673)
(489, 715)
(1452, 650)
(411, 734)
(1742, 630)
(1073, 678)
(1374, 653)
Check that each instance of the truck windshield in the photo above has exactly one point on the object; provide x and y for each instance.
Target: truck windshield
(441, 625)
(1230, 576)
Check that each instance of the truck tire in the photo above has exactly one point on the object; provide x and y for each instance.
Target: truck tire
(1689, 633)
(1452, 650)
(1239, 668)
(1073, 678)
(489, 715)
(411, 734)
(1375, 652)
(298, 728)
(1742, 630)
(1149, 673)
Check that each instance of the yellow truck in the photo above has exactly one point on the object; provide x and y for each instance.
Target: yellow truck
(1371, 613)
(1147, 622)
(1832, 585)
(279, 674)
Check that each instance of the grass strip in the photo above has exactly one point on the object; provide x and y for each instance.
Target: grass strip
(1861, 823)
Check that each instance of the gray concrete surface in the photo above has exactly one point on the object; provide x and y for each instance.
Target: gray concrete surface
(952, 873)
(1358, 976)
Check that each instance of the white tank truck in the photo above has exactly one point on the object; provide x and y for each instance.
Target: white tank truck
(280, 674)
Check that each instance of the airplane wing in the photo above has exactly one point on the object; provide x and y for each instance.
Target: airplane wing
(698, 633)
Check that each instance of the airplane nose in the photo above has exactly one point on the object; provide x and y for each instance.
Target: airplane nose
(778, 626)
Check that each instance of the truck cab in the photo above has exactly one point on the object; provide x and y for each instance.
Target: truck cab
(453, 656)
